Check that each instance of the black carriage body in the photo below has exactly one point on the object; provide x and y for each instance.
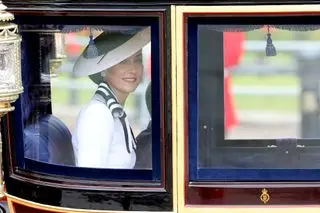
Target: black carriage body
(53, 186)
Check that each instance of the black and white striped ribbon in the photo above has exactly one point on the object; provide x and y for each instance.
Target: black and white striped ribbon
(116, 111)
(111, 101)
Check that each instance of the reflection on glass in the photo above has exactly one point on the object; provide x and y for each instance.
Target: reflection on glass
(94, 110)
(7, 77)
(259, 96)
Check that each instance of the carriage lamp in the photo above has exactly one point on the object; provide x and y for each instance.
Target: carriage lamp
(10, 69)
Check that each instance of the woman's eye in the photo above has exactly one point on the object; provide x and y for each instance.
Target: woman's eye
(124, 62)
(137, 59)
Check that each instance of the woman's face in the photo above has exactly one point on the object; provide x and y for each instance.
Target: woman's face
(126, 76)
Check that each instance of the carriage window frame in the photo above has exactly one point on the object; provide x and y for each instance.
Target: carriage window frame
(209, 195)
(48, 173)
(184, 20)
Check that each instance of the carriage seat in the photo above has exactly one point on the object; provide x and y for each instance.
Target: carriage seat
(49, 141)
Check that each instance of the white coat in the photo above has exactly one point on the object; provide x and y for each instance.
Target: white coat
(98, 138)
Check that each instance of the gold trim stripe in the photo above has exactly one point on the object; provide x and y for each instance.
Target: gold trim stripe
(174, 98)
(177, 79)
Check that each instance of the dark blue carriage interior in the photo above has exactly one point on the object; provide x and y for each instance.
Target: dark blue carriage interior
(212, 158)
(50, 135)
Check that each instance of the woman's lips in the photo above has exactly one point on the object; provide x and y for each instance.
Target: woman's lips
(130, 80)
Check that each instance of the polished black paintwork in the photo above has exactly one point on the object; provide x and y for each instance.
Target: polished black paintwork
(99, 200)
(71, 3)
(92, 4)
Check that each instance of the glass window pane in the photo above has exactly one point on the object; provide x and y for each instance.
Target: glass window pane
(258, 100)
(91, 101)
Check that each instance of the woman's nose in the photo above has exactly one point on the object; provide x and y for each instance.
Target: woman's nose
(135, 69)
(136, 66)
(130, 62)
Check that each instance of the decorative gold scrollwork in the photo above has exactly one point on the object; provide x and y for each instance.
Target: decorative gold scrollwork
(264, 197)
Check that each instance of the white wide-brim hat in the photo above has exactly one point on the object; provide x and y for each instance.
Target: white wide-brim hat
(111, 49)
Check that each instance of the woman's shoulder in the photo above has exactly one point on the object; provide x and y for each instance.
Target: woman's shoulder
(95, 109)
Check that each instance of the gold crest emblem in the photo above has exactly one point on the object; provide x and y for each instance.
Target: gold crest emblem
(264, 197)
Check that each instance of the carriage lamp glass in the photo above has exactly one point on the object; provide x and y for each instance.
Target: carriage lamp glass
(10, 69)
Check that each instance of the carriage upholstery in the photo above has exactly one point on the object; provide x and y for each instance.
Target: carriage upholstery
(49, 141)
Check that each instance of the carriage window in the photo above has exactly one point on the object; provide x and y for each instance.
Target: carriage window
(87, 101)
(257, 96)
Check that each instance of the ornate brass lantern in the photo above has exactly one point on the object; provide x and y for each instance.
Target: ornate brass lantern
(10, 69)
